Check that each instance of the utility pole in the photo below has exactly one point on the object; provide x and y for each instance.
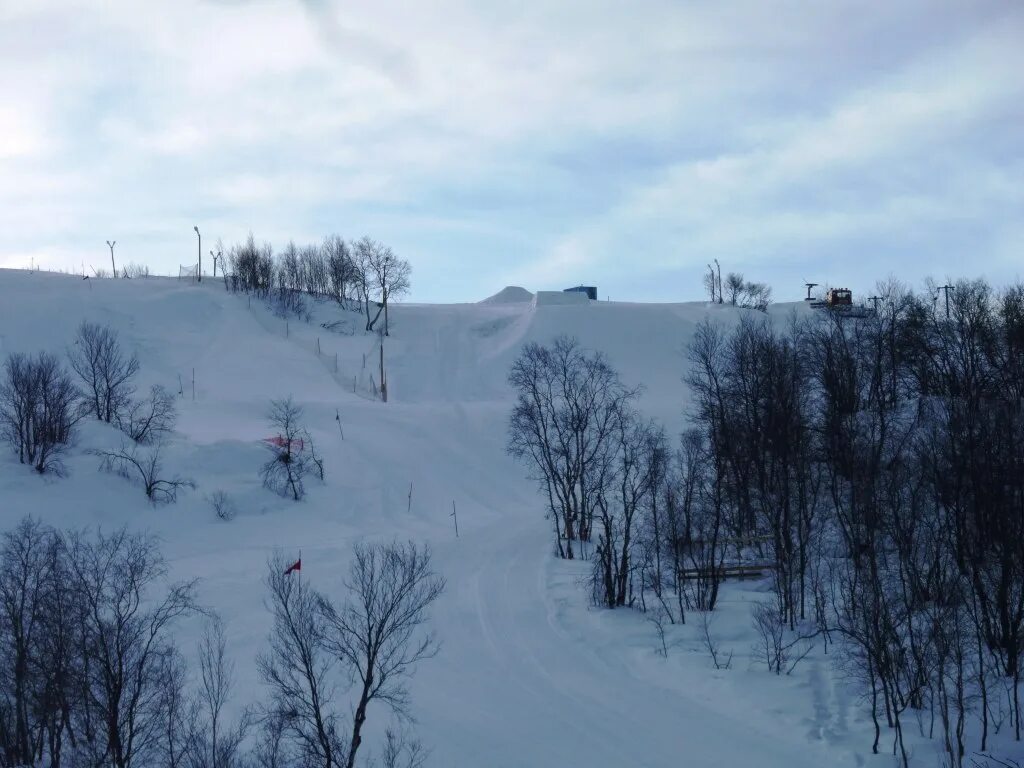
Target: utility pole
(215, 256)
(112, 267)
(809, 287)
(199, 277)
(874, 300)
(947, 289)
(719, 281)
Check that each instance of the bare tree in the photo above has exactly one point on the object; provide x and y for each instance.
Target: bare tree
(30, 712)
(119, 714)
(293, 455)
(385, 274)
(130, 462)
(38, 409)
(710, 283)
(104, 369)
(179, 713)
(734, 286)
(566, 405)
(217, 745)
(300, 725)
(340, 267)
(379, 632)
(149, 420)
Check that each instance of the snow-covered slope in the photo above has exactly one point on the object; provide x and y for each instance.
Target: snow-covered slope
(528, 674)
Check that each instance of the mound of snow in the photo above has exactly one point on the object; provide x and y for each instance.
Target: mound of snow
(511, 294)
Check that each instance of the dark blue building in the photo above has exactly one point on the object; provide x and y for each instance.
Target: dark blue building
(590, 290)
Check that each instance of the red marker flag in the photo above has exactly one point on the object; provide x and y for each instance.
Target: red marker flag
(296, 566)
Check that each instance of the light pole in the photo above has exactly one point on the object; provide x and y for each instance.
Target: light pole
(946, 289)
(199, 277)
(112, 244)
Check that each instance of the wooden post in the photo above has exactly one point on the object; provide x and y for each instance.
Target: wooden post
(383, 381)
(318, 346)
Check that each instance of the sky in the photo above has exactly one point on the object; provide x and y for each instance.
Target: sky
(543, 144)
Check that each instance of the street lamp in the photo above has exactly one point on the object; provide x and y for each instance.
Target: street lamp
(112, 244)
(199, 277)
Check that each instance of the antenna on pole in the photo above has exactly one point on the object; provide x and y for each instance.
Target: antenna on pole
(113, 267)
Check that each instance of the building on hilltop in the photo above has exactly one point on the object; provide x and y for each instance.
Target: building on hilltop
(590, 290)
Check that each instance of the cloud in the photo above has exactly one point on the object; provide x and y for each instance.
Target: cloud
(532, 143)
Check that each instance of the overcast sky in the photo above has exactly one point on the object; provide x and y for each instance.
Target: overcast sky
(622, 144)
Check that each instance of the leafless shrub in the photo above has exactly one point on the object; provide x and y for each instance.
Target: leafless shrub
(293, 455)
(38, 410)
(130, 463)
(149, 420)
(402, 750)
(771, 627)
(658, 618)
(720, 660)
(133, 270)
(106, 372)
(223, 506)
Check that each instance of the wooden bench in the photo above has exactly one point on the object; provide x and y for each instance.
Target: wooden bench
(747, 571)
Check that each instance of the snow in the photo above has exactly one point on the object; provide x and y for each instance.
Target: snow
(510, 294)
(548, 298)
(529, 674)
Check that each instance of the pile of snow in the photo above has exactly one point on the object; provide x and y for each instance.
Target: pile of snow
(511, 294)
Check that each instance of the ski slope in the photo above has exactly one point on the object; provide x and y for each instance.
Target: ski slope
(529, 674)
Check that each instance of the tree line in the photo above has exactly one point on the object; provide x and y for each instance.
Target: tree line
(874, 466)
(364, 273)
(91, 674)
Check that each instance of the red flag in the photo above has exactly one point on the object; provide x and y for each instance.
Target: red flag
(296, 566)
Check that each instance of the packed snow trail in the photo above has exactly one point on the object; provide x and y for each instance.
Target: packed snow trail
(522, 686)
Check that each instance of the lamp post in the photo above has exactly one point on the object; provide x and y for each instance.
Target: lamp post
(114, 268)
(199, 277)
